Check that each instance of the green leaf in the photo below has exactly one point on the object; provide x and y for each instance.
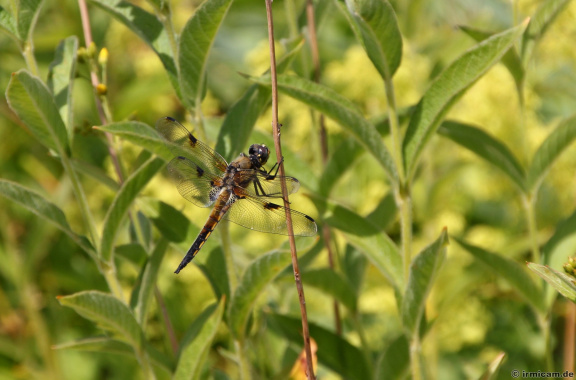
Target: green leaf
(550, 150)
(511, 59)
(40, 206)
(333, 352)
(146, 281)
(564, 230)
(61, 80)
(132, 252)
(171, 223)
(448, 87)
(140, 134)
(340, 160)
(31, 100)
(494, 367)
(195, 42)
(95, 173)
(563, 283)
(113, 346)
(375, 25)
(341, 110)
(215, 271)
(260, 272)
(368, 239)
(332, 284)
(8, 23)
(194, 352)
(539, 23)
(108, 312)
(394, 362)
(512, 272)
(27, 15)
(423, 270)
(242, 116)
(148, 28)
(122, 201)
(487, 147)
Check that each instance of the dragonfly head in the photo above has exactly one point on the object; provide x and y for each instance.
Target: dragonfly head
(259, 154)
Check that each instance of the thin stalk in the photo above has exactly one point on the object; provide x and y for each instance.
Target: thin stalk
(415, 358)
(243, 364)
(569, 336)
(27, 50)
(277, 145)
(528, 201)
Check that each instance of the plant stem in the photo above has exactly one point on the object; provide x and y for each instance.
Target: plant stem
(27, 50)
(242, 361)
(277, 145)
(529, 205)
(404, 204)
(415, 357)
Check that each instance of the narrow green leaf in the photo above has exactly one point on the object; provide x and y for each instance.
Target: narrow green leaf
(369, 240)
(394, 361)
(376, 28)
(550, 150)
(539, 23)
(487, 147)
(242, 116)
(27, 15)
(448, 87)
(132, 252)
(494, 367)
(113, 346)
(423, 270)
(332, 284)
(143, 290)
(148, 28)
(564, 230)
(123, 199)
(31, 100)
(512, 272)
(563, 283)
(511, 59)
(8, 23)
(140, 134)
(95, 173)
(194, 351)
(171, 223)
(341, 159)
(334, 352)
(61, 80)
(214, 269)
(40, 206)
(260, 272)
(341, 110)
(195, 42)
(108, 312)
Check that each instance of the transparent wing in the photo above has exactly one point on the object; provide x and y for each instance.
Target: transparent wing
(259, 215)
(183, 144)
(193, 183)
(259, 184)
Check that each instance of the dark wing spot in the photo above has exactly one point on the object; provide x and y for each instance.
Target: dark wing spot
(309, 218)
(271, 206)
(181, 158)
(193, 140)
(199, 171)
(170, 118)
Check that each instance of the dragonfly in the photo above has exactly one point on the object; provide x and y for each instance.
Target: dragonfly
(241, 191)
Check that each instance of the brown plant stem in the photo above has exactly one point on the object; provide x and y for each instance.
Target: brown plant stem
(277, 145)
(569, 336)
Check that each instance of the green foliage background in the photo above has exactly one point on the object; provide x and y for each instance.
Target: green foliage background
(494, 176)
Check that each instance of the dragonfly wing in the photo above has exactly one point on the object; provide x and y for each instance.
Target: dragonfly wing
(193, 183)
(183, 144)
(261, 185)
(260, 215)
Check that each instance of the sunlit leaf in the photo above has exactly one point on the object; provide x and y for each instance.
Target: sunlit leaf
(423, 270)
(332, 284)
(550, 150)
(341, 110)
(194, 46)
(487, 147)
(106, 311)
(140, 134)
(375, 25)
(260, 272)
(564, 230)
(194, 350)
(334, 351)
(394, 361)
(8, 23)
(494, 367)
(564, 284)
(28, 11)
(122, 201)
(61, 79)
(143, 290)
(539, 23)
(31, 100)
(40, 206)
(448, 87)
(510, 270)
(148, 28)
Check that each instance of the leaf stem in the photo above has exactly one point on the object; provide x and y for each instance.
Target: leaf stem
(27, 49)
(278, 147)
